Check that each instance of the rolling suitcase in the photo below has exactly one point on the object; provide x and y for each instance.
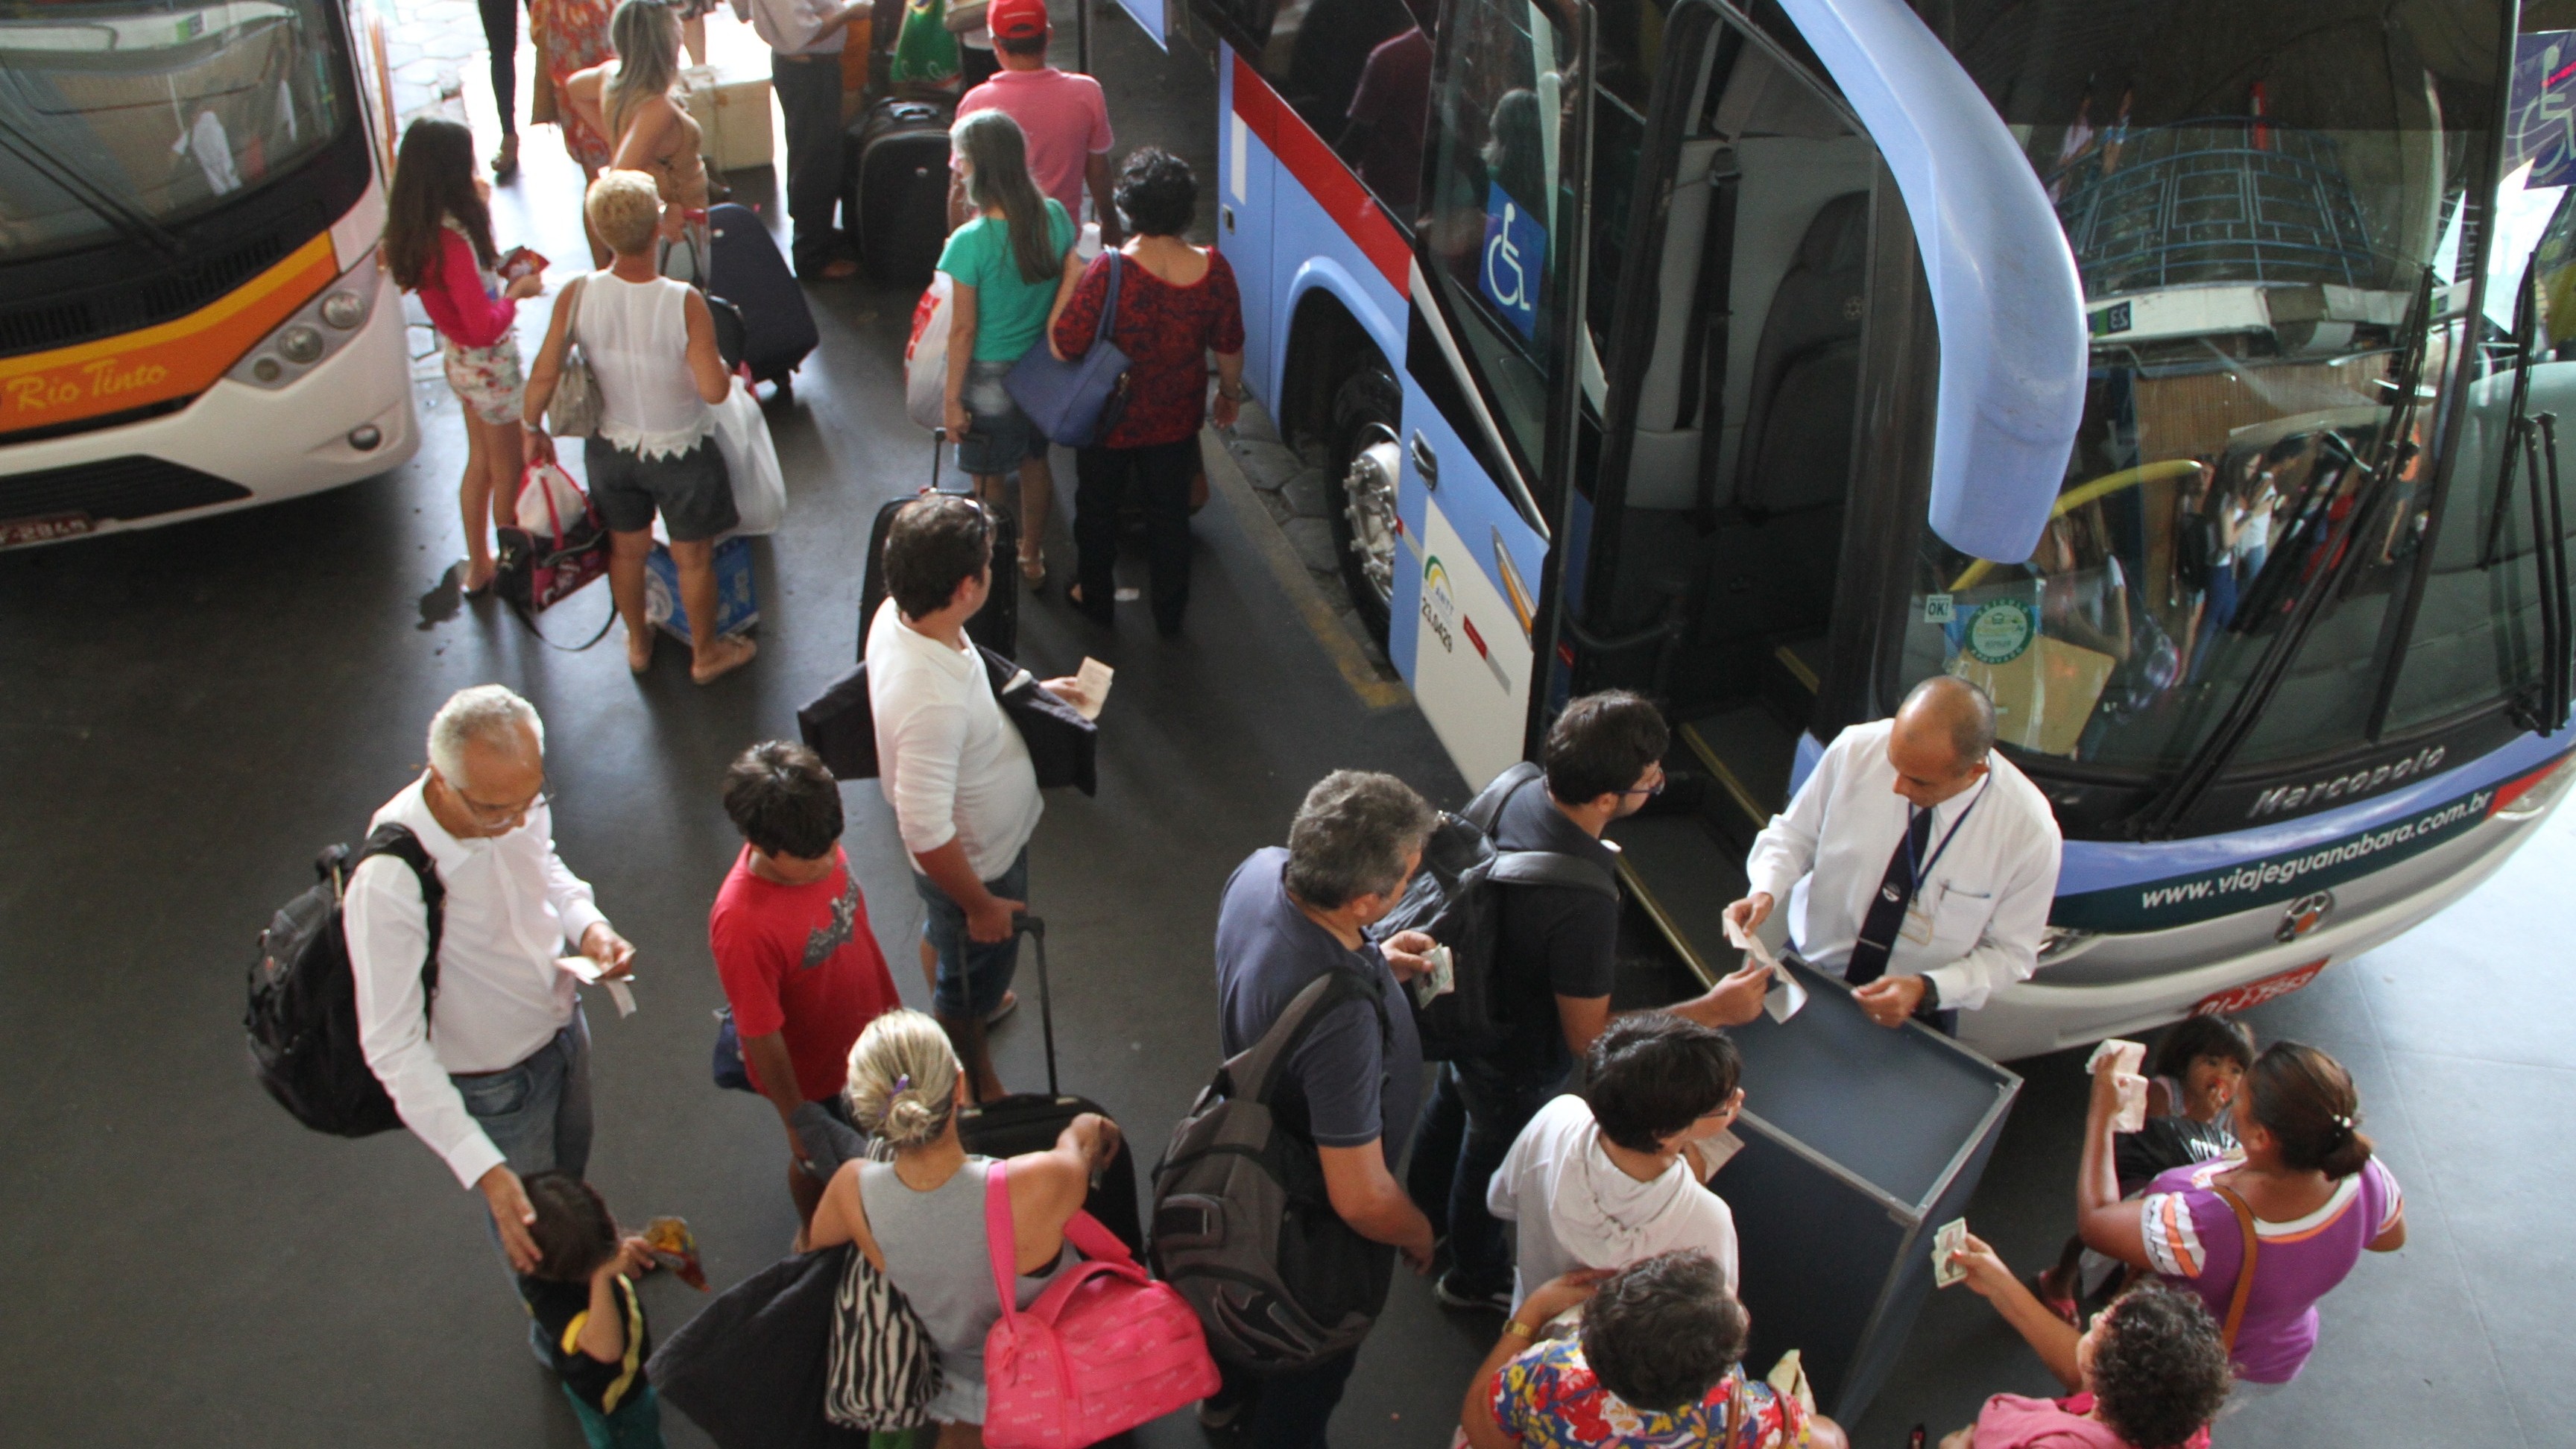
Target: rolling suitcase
(898, 187)
(1031, 1122)
(746, 270)
(996, 626)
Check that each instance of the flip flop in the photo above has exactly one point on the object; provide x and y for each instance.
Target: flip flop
(1010, 1003)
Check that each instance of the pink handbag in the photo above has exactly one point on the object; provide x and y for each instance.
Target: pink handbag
(1103, 1349)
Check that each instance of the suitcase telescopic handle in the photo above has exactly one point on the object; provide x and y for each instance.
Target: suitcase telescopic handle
(1034, 927)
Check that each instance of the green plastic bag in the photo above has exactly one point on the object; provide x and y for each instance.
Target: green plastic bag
(925, 52)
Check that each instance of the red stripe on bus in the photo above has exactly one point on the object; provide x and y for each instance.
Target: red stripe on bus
(1322, 173)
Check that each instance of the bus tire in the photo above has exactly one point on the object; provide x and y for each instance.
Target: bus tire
(1364, 465)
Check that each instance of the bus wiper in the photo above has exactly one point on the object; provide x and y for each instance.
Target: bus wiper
(66, 178)
(2533, 441)
(2336, 553)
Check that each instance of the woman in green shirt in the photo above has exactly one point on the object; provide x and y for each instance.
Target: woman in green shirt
(1006, 266)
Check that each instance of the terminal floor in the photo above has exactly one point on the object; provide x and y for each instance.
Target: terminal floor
(190, 712)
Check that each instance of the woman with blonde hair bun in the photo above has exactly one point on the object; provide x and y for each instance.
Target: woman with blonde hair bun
(920, 1218)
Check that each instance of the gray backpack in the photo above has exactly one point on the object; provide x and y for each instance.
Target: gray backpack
(1243, 1226)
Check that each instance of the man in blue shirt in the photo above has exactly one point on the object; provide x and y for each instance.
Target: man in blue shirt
(1354, 1084)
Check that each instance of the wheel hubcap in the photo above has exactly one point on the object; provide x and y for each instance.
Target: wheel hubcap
(1368, 501)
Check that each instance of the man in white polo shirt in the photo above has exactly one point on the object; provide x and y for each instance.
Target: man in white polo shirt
(953, 766)
(495, 1073)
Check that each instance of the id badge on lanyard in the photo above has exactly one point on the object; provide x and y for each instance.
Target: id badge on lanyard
(1918, 913)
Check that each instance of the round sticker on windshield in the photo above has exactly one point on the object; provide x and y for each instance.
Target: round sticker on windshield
(1998, 632)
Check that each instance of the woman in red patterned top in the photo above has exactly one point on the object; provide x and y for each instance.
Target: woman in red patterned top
(1176, 304)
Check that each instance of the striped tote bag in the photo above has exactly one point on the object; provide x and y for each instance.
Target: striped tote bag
(882, 1368)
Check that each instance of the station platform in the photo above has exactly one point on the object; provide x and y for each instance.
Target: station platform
(191, 712)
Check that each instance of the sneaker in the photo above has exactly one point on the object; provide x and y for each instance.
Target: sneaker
(1452, 1293)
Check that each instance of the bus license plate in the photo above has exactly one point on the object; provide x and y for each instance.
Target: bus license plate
(40, 530)
(2254, 993)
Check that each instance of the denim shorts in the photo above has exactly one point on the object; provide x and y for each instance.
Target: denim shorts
(999, 437)
(972, 975)
(692, 490)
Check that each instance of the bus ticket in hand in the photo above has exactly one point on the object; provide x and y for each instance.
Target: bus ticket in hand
(1786, 998)
(586, 971)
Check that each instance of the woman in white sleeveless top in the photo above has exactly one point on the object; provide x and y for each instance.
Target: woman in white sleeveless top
(651, 345)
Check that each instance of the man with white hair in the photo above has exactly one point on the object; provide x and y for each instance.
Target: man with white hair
(492, 1070)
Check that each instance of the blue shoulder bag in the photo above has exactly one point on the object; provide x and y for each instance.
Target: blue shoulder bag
(1075, 403)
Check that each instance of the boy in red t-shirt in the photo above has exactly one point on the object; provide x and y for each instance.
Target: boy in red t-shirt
(790, 932)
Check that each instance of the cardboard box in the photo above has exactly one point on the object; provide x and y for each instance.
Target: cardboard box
(737, 605)
(732, 109)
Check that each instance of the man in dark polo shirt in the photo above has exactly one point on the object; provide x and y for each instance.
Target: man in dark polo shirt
(1288, 917)
(1555, 962)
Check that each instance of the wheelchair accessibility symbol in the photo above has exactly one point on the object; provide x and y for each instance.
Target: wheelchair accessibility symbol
(1515, 259)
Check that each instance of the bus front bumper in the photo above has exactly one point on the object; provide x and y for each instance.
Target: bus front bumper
(2044, 1015)
(233, 446)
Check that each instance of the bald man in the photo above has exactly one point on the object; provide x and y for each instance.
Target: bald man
(1918, 864)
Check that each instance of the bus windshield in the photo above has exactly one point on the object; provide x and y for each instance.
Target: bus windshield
(2269, 206)
(118, 119)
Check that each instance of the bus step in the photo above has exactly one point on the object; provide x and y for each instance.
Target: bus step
(1748, 753)
(1803, 660)
(1679, 875)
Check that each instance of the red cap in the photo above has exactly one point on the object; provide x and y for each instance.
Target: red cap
(1016, 19)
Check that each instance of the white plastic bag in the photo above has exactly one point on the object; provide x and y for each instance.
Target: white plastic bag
(925, 357)
(542, 480)
(742, 435)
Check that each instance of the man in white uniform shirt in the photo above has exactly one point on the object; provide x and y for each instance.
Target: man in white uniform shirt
(495, 1073)
(953, 765)
(1919, 865)
(805, 38)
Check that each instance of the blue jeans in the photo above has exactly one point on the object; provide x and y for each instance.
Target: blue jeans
(1476, 1109)
(1290, 1410)
(972, 974)
(637, 1424)
(537, 1113)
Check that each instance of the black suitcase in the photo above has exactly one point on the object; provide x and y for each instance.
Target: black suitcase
(746, 270)
(996, 626)
(898, 187)
(1031, 1122)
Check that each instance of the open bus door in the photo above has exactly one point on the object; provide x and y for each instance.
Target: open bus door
(1792, 386)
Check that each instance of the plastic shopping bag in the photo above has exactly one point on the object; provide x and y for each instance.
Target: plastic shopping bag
(742, 435)
(925, 357)
(925, 53)
(547, 498)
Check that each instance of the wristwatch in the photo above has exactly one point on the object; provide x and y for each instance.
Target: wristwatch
(1931, 995)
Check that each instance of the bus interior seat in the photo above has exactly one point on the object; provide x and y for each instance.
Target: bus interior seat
(1665, 467)
(1796, 453)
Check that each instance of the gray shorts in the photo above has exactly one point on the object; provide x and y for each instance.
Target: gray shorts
(692, 490)
(998, 435)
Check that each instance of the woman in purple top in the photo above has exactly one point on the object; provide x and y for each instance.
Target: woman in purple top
(2316, 1196)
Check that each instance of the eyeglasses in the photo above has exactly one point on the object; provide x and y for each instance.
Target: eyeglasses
(501, 814)
(1649, 791)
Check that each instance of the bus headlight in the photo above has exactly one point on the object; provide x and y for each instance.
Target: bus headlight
(344, 310)
(317, 329)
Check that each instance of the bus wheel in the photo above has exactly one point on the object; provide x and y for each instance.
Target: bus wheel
(1366, 461)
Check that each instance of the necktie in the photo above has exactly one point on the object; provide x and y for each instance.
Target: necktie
(1886, 914)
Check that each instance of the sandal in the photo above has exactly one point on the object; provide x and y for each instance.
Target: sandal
(1033, 569)
(474, 590)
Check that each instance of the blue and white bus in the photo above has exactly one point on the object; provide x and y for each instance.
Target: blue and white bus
(2187, 375)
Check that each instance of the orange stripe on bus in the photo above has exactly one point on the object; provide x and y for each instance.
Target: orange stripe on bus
(179, 358)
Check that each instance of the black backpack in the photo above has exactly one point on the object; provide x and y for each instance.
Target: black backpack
(1457, 897)
(303, 1013)
(1244, 1228)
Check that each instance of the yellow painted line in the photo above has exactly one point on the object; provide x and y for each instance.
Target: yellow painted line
(1797, 667)
(1708, 976)
(1225, 476)
(1743, 795)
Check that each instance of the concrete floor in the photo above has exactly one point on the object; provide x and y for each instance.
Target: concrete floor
(192, 711)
